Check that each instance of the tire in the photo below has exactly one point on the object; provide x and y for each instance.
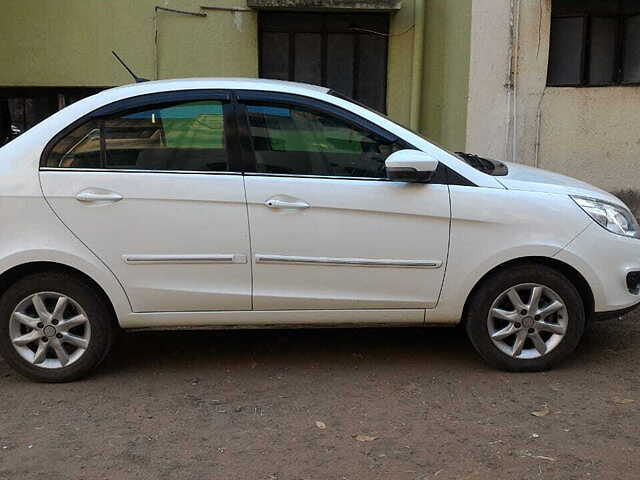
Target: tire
(560, 333)
(85, 341)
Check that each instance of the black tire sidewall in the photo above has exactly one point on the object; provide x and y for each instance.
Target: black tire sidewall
(100, 319)
(492, 287)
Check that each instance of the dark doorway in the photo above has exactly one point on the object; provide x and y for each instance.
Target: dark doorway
(347, 53)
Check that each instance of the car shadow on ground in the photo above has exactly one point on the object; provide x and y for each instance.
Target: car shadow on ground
(440, 347)
(289, 347)
(433, 350)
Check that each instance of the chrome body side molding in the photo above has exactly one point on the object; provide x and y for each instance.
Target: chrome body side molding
(356, 262)
(183, 259)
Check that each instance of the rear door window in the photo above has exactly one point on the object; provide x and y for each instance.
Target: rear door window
(187, 136)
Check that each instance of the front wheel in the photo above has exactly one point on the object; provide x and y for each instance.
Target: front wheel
(54, 327)
(525, 318)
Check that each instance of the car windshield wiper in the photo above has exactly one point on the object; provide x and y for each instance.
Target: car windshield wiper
(485, 165)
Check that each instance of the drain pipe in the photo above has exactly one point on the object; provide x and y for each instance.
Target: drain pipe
(512, 83)
(416, 71)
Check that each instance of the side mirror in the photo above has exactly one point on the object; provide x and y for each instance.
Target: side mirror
(411, 166)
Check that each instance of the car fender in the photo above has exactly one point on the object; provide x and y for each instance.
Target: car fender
(490, 227)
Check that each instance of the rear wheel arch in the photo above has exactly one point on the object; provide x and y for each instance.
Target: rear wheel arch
(10, 276)
(575, 277)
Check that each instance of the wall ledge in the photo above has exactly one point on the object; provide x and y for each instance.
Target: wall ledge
(327, 5)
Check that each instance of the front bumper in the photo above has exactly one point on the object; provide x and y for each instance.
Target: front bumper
(605, 259)
(614, 314)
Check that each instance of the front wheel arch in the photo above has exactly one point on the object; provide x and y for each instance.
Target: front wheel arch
(575, 277)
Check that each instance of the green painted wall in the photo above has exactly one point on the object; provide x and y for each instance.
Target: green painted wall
(400, 64)
(446, 72)
(69, 43)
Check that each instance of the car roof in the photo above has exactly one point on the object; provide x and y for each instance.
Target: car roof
(237, 83)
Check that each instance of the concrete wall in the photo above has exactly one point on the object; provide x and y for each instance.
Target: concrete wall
(400, 64)
(446, 72)
(533, 22)
(489, 79)
(593, 134)
(69, 43)
(587, 133)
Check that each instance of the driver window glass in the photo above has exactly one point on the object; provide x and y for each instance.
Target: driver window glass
(294, 140)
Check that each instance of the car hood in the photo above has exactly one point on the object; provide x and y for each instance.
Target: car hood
(522, 177)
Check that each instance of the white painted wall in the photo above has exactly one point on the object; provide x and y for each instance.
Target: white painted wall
(489, 94)
(593, 134)
(589, 133)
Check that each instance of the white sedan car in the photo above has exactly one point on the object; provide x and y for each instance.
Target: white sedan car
(213, 203)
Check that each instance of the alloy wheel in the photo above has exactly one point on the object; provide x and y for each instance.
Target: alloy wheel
(527, 321)
(50, 330)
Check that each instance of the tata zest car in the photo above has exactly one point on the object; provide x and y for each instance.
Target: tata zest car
(255, 203)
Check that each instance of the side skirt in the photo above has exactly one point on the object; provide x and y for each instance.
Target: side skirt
(273, 319)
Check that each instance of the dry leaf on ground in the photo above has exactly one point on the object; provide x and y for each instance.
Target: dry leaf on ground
(365, 438)
(623, 401)
(541, 413)
(321, 425)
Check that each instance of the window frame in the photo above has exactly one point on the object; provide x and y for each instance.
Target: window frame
(237, 132)
(324, 31)
(154, 100)
(278, 98)
(585, 60)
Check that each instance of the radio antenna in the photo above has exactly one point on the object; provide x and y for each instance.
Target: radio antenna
(135, 77)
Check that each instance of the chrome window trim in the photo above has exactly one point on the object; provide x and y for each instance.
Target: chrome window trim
(135, 170)
(356, 262)
(207, 172)
(326, 177)
(184, 259)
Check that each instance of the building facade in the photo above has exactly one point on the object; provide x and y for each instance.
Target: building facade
(547, 83)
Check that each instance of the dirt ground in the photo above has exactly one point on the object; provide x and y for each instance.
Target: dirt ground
(328, 404)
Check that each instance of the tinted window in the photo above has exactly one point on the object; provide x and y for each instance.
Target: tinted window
(78, 149)
(187, 136)
(565, 54)
(594, 43)
(290, 139)
(631, 66)
(604, 32)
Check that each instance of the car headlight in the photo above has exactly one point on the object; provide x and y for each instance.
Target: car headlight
(614, 218)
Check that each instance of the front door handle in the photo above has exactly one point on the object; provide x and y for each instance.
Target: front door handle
(94, 196)
(276, 203)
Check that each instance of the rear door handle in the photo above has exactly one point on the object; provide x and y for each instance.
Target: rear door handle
(93, 196)
(275, 203)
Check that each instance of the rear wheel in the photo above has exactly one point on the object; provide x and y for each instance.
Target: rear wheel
(525, 318)
(54, 327)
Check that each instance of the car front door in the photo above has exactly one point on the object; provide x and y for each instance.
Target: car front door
(328, 230)
(150, 186)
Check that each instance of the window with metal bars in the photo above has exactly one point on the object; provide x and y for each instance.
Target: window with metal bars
(345, 52)
(22, 107)
(594, 43)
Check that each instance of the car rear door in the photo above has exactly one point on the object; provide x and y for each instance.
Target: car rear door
(328, 230)
(151, 186)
